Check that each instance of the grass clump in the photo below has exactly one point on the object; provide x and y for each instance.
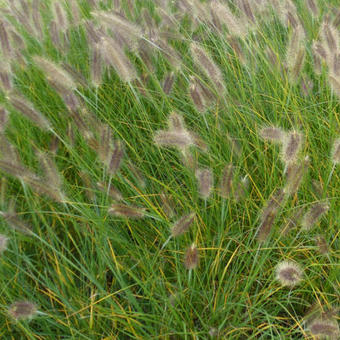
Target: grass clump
(168, 169)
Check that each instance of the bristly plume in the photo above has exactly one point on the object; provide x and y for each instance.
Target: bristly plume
(314, 214)
(26, 108)
(4, 40)
(56, 76)
(208, 66)
(336, 21)
(197, 98)
(168, 205)
(324, 328)
(205, 182)
(313, 7)
(226, 183)
(295, 172)
(116, 157)
(3, 243)
(179, 139)
(241, 189)
(331, 37)
(191, 258)
(295, 53)
(169, 53)
(3, 119)
(322, 245)
(114, 56)
(273, 134)
(118, 23)
(200, 95)
(289, 273)
(168, 83)
(292, 144)
(235, 25)
(293, 221)
(14, 221)
(42, 187)
(88, 187)
(36, 18)
(235, 45)
(269, 214)
(123, 210)
(176, 122)
(96, 67)
(336, 151)
(247, 10)
(51, 173)
(22, 310)
(5, 77)
(198, 141)
(60, 16)
(182, 225)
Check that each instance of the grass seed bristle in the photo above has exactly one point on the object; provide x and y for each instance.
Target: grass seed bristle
(22, 310)
(226, 183)
(205, 182)
(208, 66)
(57, 76)
(292, 144)
(26, 108)
(181, 139)
(182, 225)
(116, 157)
(314, 213)
(114, 56)
(289, 273)
(3, 243)
(123, 210)
(336, 151)
(191, 257)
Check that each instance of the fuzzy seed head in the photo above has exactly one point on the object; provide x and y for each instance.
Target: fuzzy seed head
(313, 7)
(269, 214)
(168, 83)
(289, 273)
(314, 214)
(182, 225)
(176, 122)
(207, 65)
(116, 157)
(179, 139)
(205, 182)
(167, 205)
(226, 181)
(26, 108)
(322, 245)
(291, 146)
(191, 258)
(336, 151)
(273, 134)
(57, 77)
(22, 310)
(122, 210)
(223, 13)
(114, 56)
(324, 328)
(3, 243)
(330, 36)
(293, 221)
(294, 175)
